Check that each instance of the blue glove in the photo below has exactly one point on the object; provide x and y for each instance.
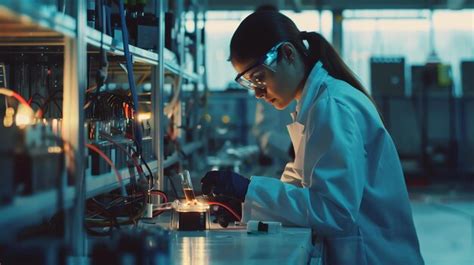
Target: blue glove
(225, 183)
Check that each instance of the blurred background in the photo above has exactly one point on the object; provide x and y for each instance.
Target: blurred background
(417, 62)
(94, 132)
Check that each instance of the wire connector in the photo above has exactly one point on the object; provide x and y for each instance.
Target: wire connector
(149, 205)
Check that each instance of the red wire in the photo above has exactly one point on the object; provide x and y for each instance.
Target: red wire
(39, 113)
(20, 98)
(162, 194)
(17, 97)
(107, 159)
(165, 199)
(134, 161)
(227, 208)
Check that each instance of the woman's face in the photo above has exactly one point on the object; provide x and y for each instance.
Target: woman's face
(281, 86)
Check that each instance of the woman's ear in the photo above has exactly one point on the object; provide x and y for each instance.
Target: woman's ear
(289, 52)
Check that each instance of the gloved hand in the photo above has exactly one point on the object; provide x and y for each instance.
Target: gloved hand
(225, 183)
(222, 216)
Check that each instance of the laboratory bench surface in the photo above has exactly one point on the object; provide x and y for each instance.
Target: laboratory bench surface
(233, 245)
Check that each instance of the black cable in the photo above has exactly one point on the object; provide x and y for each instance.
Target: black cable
(39, 95)
(147, 167)
(59, 107)
(109, 215)
(35, 103)
(150, 177)
(47, 101)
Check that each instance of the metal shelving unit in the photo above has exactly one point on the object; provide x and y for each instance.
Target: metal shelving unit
(37, 14)
(96, 39)
(30, 209)
(38, 23)
(34, 24)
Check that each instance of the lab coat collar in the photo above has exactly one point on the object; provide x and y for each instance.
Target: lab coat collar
(310, 91)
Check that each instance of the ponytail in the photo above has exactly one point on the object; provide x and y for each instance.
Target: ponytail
(321, 50)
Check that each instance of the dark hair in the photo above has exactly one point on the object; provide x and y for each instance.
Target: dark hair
(262, 30)
(266, 8)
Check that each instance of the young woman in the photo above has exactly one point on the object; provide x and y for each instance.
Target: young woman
(351, 189)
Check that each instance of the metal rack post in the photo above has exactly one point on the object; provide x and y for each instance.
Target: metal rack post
(73, 124)
(157, 96)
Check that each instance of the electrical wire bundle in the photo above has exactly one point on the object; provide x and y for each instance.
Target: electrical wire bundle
(45, 102)
(109, 105)
(111, 211)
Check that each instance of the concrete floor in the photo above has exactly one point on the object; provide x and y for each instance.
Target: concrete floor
(445, 227)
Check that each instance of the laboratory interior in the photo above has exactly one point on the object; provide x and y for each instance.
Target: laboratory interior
(237, 132)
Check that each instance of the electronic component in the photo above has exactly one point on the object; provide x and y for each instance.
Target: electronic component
(121, 158)
(190, 216)
(256, 227)
(147, 149)
(35, 73)
(39, 160)
(387, 76)
(147, 31)
(109, 137)
(433, 78)
(98, 165)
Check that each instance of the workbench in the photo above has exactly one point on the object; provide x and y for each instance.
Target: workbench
(233, 245)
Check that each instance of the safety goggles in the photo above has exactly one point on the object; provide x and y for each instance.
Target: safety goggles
(255, 82)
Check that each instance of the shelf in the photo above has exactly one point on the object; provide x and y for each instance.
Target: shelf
(96, 39)
(33, 23)
(175, 69)
(139, 55)
(187, 149)
(43, 205)
(107, 182)
(172, 66)
(31, 209)
(41, 24)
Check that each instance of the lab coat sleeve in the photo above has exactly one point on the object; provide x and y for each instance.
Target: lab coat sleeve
(335, 165)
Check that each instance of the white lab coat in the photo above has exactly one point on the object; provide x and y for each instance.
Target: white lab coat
(352, 191)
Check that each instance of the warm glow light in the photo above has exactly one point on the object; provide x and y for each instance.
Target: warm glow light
(8, 119)
(24, 116)
(225, 119)
(144, 116)
(54, 149)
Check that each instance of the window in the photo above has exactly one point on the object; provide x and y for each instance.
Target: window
(220, 25)
(407, 33)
